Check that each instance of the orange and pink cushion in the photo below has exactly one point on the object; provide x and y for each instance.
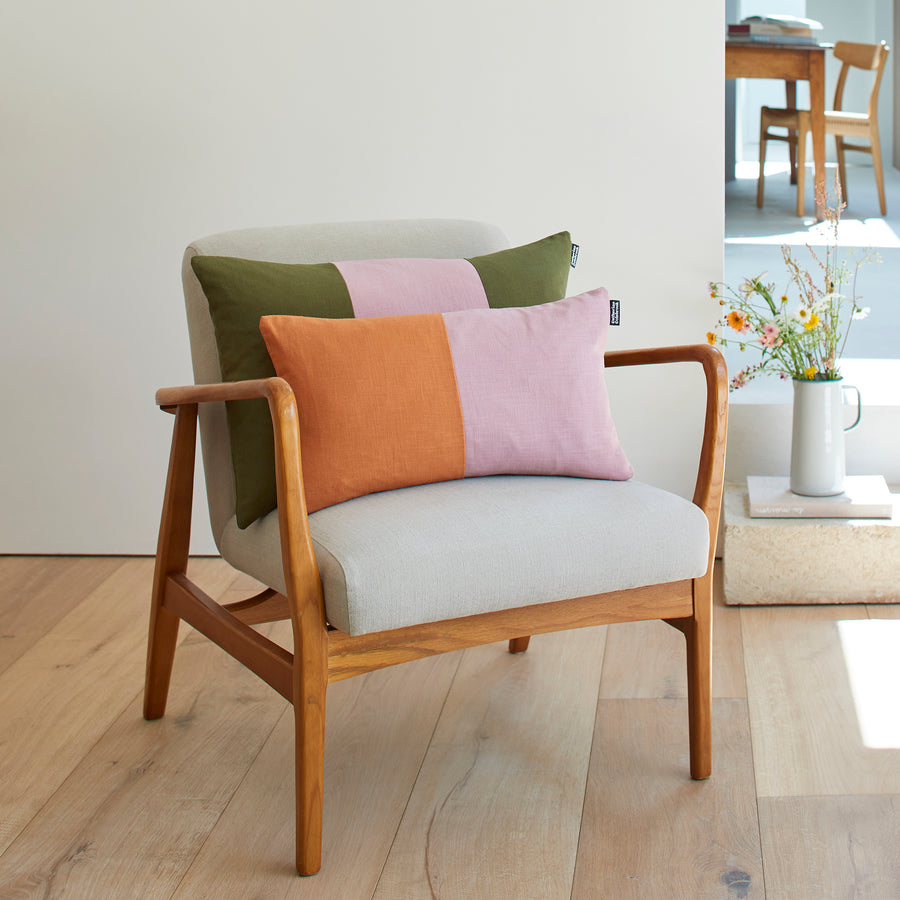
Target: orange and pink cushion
(393, 401)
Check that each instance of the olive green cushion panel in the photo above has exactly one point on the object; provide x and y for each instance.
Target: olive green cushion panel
(526, 276)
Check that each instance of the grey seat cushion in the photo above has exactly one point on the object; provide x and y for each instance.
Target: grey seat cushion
(457, 548)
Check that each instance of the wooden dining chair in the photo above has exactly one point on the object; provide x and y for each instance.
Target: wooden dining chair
(498, 547)
(839, 122)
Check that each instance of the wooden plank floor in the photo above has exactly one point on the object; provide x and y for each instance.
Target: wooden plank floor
(560, 773)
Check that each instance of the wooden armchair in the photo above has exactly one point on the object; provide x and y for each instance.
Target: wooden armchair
(573, 552)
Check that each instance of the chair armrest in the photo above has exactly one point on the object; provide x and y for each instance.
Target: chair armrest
(283, 409)
(170, 398)
(301, 571)
(711, 470)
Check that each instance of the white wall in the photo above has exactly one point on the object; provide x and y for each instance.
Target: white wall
(131, 129)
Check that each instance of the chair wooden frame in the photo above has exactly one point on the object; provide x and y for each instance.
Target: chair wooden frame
(322, 654)
(870, 57)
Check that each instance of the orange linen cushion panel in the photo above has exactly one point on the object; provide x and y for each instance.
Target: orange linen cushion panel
(397, 401)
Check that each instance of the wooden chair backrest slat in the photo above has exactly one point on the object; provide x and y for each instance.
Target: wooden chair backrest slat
(868, 57)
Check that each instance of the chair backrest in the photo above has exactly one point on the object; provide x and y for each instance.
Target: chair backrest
(408, 238)
(870, 57)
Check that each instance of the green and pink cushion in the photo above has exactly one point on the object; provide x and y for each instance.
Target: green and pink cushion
(241, 291)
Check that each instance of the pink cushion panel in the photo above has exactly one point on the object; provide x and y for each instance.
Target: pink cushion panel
(532, 390)
(392, 287)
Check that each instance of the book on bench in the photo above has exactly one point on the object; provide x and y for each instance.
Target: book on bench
(864, 497)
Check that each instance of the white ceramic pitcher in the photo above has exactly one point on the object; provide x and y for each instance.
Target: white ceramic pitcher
(818, 460)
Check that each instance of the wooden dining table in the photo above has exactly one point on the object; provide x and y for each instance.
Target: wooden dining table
(789, 63)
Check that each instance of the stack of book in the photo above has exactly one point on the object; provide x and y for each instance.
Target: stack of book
(775, 30)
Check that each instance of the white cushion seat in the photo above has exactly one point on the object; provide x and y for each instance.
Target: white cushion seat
(459, 548)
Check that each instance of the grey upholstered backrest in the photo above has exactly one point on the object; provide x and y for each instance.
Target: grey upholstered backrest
(430, 238)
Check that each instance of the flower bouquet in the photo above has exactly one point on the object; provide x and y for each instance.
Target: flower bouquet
(805, 339)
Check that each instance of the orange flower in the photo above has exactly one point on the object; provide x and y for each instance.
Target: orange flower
(738, 321)
(710, 337)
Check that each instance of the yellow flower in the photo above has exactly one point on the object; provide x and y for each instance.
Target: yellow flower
(710, 337)
(810, 373)
(813, 321)
(784, 298)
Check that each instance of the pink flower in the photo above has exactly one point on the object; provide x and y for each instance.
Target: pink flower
(740, 379)
(769, 336)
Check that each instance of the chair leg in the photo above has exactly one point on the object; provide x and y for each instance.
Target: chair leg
(519, 644)
(171, 557)
(160, 656)
(698, 633)
(310, 683)
(792, 154)
(842, 165)
(879, 171)
(790, 90)
(801, 172)
(760, 182)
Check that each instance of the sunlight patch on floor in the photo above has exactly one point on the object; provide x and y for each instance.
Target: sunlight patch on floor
(748, 170)
(874, 232)
(872, 654)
